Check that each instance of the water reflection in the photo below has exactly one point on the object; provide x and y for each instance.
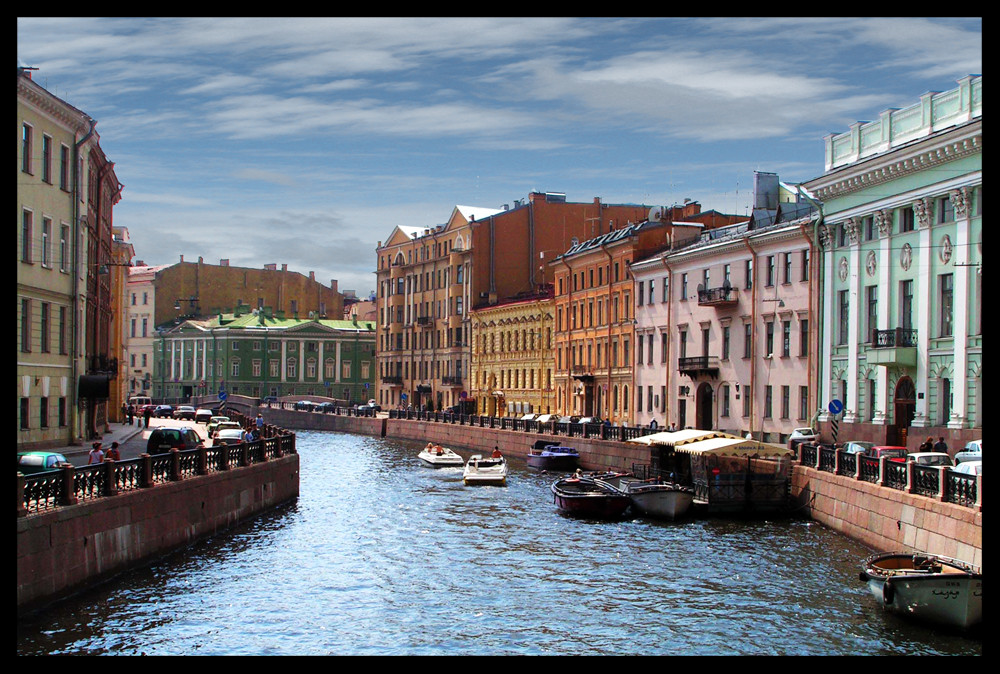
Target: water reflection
(381, 555)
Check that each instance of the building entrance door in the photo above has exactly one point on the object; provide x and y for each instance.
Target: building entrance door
(905, 406)
(706, 414)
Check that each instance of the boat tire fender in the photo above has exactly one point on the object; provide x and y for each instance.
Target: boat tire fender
(888, 592)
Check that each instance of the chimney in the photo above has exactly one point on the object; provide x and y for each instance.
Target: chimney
(224, 263)
(271, 267)
(200, 259)
(284, 267)
(182, 258)
(333, 284)
(312, 276)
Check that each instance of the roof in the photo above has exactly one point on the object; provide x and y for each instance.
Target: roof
(609, 238)
(477, 212)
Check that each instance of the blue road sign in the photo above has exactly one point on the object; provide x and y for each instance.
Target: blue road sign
(835, 406)
(223, 395)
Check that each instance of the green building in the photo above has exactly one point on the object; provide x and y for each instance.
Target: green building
(902, 245)
(257, 354)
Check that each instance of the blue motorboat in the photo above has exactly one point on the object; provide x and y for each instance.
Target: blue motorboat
(548, 455)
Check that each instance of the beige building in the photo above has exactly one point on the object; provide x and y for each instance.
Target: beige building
(121, 259)
(61, 171)
(140, 305)
(512, 356)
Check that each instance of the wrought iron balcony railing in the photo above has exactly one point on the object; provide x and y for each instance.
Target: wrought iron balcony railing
(724, 296)
(895, 338)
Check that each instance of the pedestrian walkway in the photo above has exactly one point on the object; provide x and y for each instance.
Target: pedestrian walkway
(120, 433)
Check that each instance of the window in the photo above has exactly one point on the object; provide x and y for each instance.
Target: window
(26, 133)
(44, 327)
(684, 286)
(24, 414)
(724, 400)
(947, 290)
(748, 274)
(682, 344)
(234, 371)
(666, 289)
(26, 326)
(769, 339)
(747, 339)
(944, 401)
(871, 399)
(46, 158)
(652, 284)
(945, 210)
(26, 236)
(663, 347)
(803, 402)
(868, 227)
(785, 401)
(46, 238)
(805, 265)
(906, 304)
(804, 337)
(871, 293)
(842, 334)
(770, 271)
(786, 339)
(62, 333)
(906, 220)
(63, 167)
(63, 247)
(725, 342)
(767, 401)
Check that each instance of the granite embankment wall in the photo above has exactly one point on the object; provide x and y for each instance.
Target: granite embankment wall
(889, 519)
(882, 518)
(68, 549)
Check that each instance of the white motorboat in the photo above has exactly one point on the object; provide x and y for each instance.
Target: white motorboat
(436, 455)
(489, 470)
(929, 588)
(655, 498)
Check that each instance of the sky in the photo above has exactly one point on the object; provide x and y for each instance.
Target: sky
(305, 141)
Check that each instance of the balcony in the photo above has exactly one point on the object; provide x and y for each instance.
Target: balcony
(726, 296)
(896, 347)
(393, 380)
(451, 380)
(696, 366)
(425, 321)
(582, 372)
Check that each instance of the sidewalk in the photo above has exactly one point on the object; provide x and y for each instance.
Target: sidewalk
(120, 433)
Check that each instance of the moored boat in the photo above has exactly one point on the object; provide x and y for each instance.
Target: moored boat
(589, 496)
(548, 455)
(436, 455)
(928, 588)
(489, 470)
(655, 498)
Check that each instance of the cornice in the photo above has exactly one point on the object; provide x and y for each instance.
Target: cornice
(921, 156)
(75, 120)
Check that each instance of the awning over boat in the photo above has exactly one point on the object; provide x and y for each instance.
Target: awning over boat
(733, 446)
(682, 437)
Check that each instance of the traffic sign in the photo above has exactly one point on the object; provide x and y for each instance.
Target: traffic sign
(835, 406)
(223, 395)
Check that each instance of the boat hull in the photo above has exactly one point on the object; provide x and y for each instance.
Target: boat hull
(949, 595)
(667, 503)
(581, 498)
(485, 471)
(448, 458)
(557, 462)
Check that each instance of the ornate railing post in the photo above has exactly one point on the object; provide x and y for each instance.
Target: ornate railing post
(175, 465)
(21, 510)
(942, 478)
(68, 496)
(146, 474)
(881, 470)
(244, 454)
(110, 487)
(203, 460)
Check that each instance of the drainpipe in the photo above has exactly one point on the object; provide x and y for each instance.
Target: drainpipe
(74, 346)
(569, 341)
(670, 329)
(753, 332)
(816, 282)
(607, 348)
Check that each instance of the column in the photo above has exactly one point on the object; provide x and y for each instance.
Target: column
(925, 284)
(854, 321)
(960, 324)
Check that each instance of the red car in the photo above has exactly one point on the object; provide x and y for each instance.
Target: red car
(897, 454)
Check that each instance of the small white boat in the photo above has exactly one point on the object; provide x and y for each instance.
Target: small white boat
(663, 500)
(437, 455)
(929, 588)
(489, 470)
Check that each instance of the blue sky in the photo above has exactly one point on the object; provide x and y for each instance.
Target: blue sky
(304, 141)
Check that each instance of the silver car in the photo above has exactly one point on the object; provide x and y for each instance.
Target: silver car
(973, 452)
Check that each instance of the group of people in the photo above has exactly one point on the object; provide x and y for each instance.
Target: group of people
(929, 445)
(97, 453)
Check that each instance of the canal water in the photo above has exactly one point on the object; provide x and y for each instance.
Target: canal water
(382, 555)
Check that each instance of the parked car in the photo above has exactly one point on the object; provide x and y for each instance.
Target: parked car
(973, 452)
(930, 458)
(306, 405)
(545, 418)
(857, 446)
(369, 407)
(269, 400)
(894, 453)
(326, 407)
(223, 425)
(528, 417)
(589, 420)
(969, 468)
(184, 412)
(203, 416)
(800, 435)
(163, 412)
(32, 463)
(228, 436)
(164, 438)
(213, 422)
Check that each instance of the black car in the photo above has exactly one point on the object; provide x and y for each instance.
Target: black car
(306, 405)
(163, 439)
(163, 411)
(326, 407)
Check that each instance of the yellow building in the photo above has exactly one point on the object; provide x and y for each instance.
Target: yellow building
(512, 357)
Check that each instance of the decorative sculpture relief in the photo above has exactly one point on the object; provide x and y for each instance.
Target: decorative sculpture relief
(946, 249)
(843, 269)
(906, 257)
(883, 221)
(853, 230)
(960, 200)
(922, 212)
(870, 262)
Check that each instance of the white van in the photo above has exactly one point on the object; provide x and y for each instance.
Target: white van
(139, 401)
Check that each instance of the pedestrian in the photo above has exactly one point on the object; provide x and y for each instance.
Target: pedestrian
(941, 445)
(124, 413)
(131, 414)
(96, 454)
(260, 423)
(113, 453)
(247, 435)
(927, 445)
(146, 414)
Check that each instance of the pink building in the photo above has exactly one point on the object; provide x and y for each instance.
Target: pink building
(726, 329)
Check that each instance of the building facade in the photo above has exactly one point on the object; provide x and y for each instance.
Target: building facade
(257, 355)
(121, 259)
(140, 328)
(429, 278)
(902, 252)
(512, 356)
(66, 190)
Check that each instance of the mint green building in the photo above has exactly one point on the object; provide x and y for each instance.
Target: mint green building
(256, 354)
(901, 245)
